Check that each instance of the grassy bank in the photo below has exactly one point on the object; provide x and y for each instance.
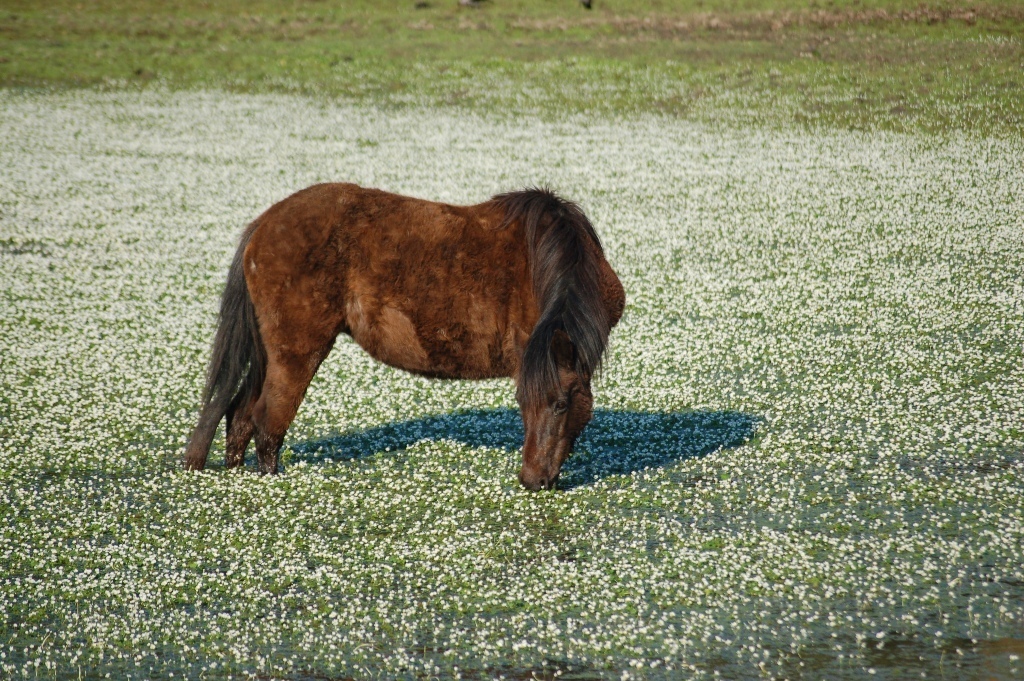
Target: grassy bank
(894, 65)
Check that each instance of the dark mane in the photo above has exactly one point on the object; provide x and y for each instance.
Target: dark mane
(566, 282)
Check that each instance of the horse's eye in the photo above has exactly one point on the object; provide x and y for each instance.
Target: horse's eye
(561, 406)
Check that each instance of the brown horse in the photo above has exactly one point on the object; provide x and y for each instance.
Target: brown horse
(516, 286)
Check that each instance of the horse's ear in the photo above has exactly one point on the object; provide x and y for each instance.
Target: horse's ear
(563, 350)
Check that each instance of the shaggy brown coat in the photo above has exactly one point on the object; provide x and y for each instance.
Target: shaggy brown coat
(439, 290)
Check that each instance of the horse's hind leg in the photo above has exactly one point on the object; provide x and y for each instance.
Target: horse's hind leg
(288, 376)
(239, 428)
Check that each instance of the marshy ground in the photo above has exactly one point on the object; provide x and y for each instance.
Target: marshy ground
(808, 457)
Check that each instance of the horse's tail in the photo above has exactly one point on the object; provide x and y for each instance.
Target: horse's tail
(238, 360)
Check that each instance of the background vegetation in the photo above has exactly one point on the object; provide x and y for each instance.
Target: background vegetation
(893, 64)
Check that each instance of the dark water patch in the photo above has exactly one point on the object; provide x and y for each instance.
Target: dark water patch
(912, 657)
(12, 246)
(614, 443)
(996, 462)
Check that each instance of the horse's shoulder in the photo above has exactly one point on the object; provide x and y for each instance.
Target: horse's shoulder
(613, 293)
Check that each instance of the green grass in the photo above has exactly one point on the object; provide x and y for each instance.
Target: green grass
(896, 65)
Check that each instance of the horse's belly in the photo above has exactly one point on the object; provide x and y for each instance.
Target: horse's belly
(447, 350)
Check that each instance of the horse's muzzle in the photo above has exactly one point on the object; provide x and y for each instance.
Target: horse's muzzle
(538, 483)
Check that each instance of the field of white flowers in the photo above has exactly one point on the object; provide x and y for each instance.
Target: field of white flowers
(807, 460)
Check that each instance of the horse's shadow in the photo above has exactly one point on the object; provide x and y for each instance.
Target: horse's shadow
(614, 443)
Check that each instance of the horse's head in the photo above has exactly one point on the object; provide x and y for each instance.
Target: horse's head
(553, 418)
(579, 299)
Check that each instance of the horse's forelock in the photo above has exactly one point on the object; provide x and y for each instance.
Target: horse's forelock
(566, 282)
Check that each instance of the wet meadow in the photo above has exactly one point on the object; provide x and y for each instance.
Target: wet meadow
(807, 456)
